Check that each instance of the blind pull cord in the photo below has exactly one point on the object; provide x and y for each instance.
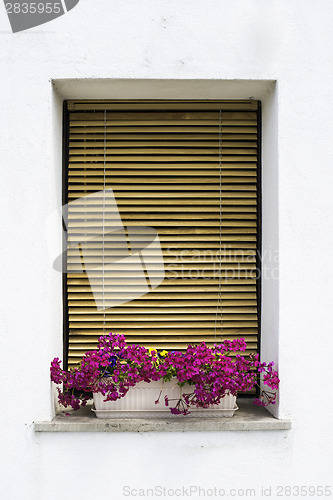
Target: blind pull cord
(218, 314)
(103, 225)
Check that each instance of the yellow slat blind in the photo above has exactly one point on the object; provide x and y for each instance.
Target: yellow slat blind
(167, 163)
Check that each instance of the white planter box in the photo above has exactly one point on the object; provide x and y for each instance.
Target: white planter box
(140, 402)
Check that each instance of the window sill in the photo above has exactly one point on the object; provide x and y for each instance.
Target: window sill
(247, 418)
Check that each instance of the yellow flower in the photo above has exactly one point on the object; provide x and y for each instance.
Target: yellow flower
(164, 353)
(152, 352)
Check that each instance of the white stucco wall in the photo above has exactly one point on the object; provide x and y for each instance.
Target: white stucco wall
(252, 43)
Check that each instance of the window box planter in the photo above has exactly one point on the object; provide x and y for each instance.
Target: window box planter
(140, 401)
(116, 371)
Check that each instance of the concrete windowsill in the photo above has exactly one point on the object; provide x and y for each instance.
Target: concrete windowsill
(247, 418)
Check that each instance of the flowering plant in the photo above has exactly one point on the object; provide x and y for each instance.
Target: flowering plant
(213, 373)
(115, 366)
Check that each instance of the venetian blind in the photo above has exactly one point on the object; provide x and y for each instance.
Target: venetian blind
(189, 170)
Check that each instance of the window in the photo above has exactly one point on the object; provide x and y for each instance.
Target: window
(191, 171)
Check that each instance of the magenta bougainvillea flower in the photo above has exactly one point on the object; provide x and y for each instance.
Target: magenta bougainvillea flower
(115, 366)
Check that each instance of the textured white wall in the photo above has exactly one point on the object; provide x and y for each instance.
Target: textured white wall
(289, 42)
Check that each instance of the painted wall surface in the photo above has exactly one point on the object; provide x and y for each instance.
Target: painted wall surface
(253, 41)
